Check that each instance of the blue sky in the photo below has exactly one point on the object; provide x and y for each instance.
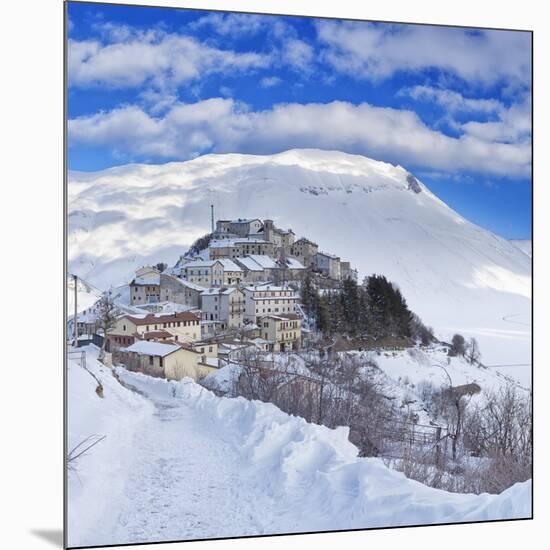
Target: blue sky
(451, 105)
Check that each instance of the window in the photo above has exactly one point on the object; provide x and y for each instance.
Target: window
(124, 328)
(151, 360)
(160, 362)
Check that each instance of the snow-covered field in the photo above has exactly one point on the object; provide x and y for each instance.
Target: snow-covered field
(457, 276)
(180, 463)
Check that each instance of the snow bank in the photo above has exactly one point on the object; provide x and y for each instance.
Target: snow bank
(99, 476)
(314, 473)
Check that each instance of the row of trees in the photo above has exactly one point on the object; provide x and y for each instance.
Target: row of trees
(376, 309)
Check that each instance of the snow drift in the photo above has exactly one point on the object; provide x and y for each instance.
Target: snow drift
(98, 477)
(314, 476)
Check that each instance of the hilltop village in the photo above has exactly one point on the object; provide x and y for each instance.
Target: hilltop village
(236, 289)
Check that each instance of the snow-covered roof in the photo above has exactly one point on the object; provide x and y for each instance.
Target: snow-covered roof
(283, 317)
(229, 265)
(327, 255)
(164, 307)
(191, 285)
(266, 287)
(305, 240)
(266, 262)
(293, 263)
(246, 220)
(155, 318)
(250, 264)
(200, 263)
(149, 279)
(218, 291)
(152, 348)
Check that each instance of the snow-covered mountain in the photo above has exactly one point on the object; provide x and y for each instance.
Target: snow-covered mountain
(525, 245)
(456, 275)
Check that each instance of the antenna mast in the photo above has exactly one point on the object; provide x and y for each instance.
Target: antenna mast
(212, 217)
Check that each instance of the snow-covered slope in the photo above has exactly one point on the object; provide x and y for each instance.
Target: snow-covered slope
(98, 476)
(86, 295)
(180, 463)
(456, 275)
(525, 245)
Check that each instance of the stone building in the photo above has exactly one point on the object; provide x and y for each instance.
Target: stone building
(237, 248)
(145, 287)
(304, 251)
(261, 300)
(183, 327)
(328, 264)
(180, 291)
(223, 305)
(168, 360)
(283, 332)
(281, 238)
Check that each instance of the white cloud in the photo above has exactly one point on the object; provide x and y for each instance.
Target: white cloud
(451, 100)
(135, 58)
(270, 81)
(223, 125)
(508, 125)
(236, 25)
(375, 51)
(513, 126)
(298, 54)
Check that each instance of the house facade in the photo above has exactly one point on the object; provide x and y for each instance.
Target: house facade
(170, 361)
(180, 291)
(253, 272)
(263, 300)
(279, 237)
(282, 332)
(328, 264)
(347, 272)
(304, 251)
(204, 273)
(145, 287)
(237, 248)
(182, 327)
(223, 305)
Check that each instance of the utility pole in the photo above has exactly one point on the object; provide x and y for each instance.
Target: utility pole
(75, 319)
(212, 217)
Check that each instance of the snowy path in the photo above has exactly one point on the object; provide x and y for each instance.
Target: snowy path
(185, 484)
(180, 463)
